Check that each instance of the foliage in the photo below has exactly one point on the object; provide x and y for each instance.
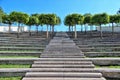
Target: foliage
(87, 19)
(118, 18)
(99, 19)
(19, 17)
(1, 14)
(37, 21)
(10, 78)
(14, 66)
(6, 19)
(32, 20)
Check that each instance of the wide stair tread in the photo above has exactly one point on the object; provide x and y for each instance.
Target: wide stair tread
(63, 62)
(63, 74)
(63, 70)
(61, 66)
(56, 78)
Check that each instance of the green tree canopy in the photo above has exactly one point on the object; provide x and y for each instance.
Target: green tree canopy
(73, 20)
(6, 19)
(20, 18)
(99, 19)
(1, 14)
(87, 18)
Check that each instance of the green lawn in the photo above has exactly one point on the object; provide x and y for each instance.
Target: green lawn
(103, 57)
(10, 78)
(118, 67)
(19, 56)
(14, 66)
(18, 51)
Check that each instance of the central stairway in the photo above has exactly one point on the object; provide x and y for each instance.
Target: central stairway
(63, 60)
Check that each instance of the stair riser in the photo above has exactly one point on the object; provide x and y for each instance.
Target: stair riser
(33, 78)
(97, 75)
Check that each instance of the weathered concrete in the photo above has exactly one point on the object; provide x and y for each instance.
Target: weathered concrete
(60, 46)
(102, 54)
(96, 61)
(20, 53)
(107, 72)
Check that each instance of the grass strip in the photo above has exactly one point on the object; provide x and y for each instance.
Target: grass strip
(118, 67)
(10, 78)
(18, 51)
(19, 57)
(14, 66)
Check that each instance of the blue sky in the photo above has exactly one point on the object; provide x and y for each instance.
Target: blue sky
(61, 7)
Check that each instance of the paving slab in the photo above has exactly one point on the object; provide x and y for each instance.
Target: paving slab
(62, 59)
(49, 78)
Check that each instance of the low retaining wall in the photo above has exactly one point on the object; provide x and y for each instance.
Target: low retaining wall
(20, 53)
(96, 61)
(107, 72)
(102, 54)
(111, 74)
(105, 61)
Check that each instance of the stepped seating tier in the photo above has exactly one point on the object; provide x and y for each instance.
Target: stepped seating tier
(62, 60)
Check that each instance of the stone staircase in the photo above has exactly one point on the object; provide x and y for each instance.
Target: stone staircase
(63, 60)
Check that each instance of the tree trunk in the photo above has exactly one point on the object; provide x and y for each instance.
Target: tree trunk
(72, 31)
(75, 32)
(21, 28)
(85, 29)
(81, 28)
(47, 34)
(18, 30)
(112, 29)
(69, 28)
(37, 30)
(52, 30)
(42, 29)
(9, 28)
(91, 30)
(101, 35)
(29, 30)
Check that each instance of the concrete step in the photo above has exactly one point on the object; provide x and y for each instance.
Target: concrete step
(63, 74)
(23, 45)
(62, 56)
(18, 70)
(63, 59)
(57, 78)
(21, 48)
(61, 66)
(79, 70)
(64, 62)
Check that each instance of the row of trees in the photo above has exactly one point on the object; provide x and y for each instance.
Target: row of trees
(50, 20)
(88, 19)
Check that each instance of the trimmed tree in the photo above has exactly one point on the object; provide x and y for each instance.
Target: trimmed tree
(73, 20)
(118, 18)
(20, 18)
(67, 22)
(1, 14)
(113, 19)
(6, 19)
(99, 19)
(32, 21)
(87, 20)
(45, 20)
(37, 23)
(76, 20)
